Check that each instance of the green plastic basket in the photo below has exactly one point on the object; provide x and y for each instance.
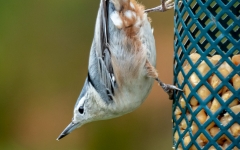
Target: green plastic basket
(208, 28)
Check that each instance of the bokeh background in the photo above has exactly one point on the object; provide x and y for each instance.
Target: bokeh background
(44, 48)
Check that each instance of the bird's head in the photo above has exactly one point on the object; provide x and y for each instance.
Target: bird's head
(89, 107)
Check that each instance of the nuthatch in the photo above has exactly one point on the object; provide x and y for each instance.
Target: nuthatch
(122, 63)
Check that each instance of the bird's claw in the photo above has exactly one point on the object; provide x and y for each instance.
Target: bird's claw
(168, 88)
(166, 5)
(169, 4)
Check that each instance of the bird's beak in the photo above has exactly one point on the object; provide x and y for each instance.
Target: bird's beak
(68, 130)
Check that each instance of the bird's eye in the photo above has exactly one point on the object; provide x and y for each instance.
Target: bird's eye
(81, 110)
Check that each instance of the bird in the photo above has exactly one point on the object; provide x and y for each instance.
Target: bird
(122, 60)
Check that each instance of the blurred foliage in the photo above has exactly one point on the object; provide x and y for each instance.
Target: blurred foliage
(44, 48)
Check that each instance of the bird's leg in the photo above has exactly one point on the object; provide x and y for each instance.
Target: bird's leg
(165, 5)
(168, 88)
(151, 71)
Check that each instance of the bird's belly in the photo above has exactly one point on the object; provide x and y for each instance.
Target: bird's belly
(129, 56)
(132, 96)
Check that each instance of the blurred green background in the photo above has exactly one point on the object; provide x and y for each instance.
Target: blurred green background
(44, 48)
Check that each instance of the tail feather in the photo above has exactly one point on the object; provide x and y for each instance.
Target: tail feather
(127, 14)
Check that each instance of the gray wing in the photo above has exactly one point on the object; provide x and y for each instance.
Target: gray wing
(100, 73)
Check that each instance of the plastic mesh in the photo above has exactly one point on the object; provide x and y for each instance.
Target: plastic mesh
(207, 39)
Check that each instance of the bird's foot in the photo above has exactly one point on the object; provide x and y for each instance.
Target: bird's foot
(168, 88)
(166, 5)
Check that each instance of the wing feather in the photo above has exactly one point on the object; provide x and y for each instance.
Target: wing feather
(103, 73)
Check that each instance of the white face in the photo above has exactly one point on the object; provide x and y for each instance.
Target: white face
(79, 114)
(79, 117)
(91, 108)
(87, 108)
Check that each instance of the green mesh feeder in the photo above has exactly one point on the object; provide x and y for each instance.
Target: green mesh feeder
(206, 41)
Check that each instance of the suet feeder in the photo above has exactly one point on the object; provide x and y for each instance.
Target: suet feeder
(207, 67)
